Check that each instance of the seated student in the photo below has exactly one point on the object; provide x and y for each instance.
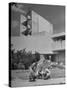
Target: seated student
(46, 73)
(32, 75)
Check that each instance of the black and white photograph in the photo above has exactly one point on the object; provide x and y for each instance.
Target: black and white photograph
(36, 44)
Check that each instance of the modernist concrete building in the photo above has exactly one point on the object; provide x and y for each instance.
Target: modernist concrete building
(35, 33)
(34, 24)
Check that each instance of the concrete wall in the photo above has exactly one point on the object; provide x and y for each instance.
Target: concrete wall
(22, 27)
(40, 24)
(35, 22)
(41, 44)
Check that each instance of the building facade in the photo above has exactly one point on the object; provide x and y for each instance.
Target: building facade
(34, 24)
(59, 47)
(35, 33)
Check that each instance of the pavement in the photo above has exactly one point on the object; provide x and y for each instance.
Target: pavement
(39, 82)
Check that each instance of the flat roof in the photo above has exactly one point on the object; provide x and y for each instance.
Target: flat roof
(62, 49)
(58, 35)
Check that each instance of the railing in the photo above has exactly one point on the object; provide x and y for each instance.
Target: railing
(59, 45)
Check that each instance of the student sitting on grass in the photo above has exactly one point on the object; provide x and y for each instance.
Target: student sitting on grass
(32, 69)
(46, 73)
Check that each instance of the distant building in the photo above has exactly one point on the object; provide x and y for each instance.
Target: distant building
(59, 47)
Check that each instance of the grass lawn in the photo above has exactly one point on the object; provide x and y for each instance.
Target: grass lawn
(23, 74)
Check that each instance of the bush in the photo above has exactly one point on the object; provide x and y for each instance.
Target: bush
(37, 56)
(20, 66)
(22, 59)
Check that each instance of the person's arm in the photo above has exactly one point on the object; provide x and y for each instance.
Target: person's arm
(48, 72)
(31, 67)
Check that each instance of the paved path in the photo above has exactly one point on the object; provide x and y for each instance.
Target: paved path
(22, 83)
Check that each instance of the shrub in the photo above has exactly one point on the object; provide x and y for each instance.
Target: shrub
(22, 59)
(37, 56)
(20, 66)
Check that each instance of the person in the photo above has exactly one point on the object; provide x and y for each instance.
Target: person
(33, 74)
(46, 73)
(40, 66)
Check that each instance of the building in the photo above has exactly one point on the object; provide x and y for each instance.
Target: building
(59, 47)
(34, 24)
(35, 33)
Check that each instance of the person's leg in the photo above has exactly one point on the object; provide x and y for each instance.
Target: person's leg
(32, 76)
(46, 76)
